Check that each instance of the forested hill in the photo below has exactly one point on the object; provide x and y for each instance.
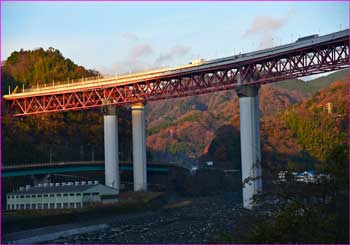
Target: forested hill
(178, 129)
(30, 67)
(320, 130)
(70, 136)
(314, 85)
(208, 124)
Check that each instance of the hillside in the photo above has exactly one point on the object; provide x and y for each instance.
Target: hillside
(69, 136)
(30, 67)
(204, 127)
(312, 86)
(318, 130)
(303, 136)
(186, 126)
(192, 127)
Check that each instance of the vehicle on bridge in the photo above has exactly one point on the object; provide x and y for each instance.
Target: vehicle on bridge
(197, 62)
(307, 38)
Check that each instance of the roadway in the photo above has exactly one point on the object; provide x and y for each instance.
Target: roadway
(301, 58)
(81, 166)
(240, 59)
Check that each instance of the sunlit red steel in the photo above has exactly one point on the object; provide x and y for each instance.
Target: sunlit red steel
(292, 64)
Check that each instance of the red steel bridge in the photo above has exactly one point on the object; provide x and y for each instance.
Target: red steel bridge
(306, 56)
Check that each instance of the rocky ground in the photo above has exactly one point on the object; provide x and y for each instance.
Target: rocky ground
(188, 220)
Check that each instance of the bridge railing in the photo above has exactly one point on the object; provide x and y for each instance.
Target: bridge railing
(34, 165)
(60, 84)
(84, 80)
(10, 166)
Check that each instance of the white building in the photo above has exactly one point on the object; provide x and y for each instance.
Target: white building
(210, 163)
(282, 175)
(60, 195)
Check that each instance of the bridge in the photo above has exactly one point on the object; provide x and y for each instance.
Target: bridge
(243, 72)
(81, 166)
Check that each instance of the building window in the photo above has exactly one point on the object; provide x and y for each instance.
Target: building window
(33, 206)
(71, 205)
(46, 206)
(52, 195)
(59, 205)
(13, 206)
(17, 206)
(40, 206)
(65, 194)
(86, 194)
(95, 193)
(21, 206)
(27, 206)
(78, 205)
(78, 194)
(39, 195)
(33, 195)
(52, 205)
(21, 196)
(65, 205)
(71, 194)
(45, 195)
(8, 197)
(8, 206)
(59, 194)
(106, 197)
(27, 196)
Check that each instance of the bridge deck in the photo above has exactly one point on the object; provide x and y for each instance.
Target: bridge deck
(302, 58)
(96, 82)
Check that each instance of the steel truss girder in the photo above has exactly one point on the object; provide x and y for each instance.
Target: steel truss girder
(297, 63)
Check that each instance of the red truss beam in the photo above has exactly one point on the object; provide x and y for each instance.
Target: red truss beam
(296, 63)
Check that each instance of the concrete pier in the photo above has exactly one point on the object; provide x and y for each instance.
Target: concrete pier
(111, 148)
(250, 142)
(139, 147)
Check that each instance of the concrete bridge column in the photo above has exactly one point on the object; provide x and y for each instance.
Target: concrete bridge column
(139, 147)
(250, 142)
(111, 148)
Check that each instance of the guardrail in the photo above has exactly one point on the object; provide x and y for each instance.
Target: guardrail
(83, 81)
(59, 84)
(34, 165)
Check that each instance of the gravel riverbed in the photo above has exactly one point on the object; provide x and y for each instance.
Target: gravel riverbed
(189, 220)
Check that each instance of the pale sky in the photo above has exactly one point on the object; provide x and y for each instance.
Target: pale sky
(127, 36)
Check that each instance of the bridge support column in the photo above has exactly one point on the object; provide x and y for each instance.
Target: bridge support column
(250, 142)
(111, 148)
(139, 147)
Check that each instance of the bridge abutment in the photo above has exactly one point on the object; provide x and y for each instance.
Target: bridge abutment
(250, 142)
(139, 147)
(110, 119)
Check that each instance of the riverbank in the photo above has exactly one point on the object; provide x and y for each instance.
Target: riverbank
(130, 202)
(168, 218)
(186, 220)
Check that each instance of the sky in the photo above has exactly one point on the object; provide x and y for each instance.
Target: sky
(121, 37)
